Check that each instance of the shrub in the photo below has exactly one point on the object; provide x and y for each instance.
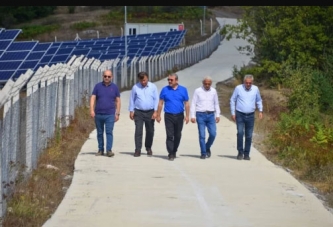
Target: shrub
(83, 25)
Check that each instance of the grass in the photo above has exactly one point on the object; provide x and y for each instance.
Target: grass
(31, 31)
(83, 25)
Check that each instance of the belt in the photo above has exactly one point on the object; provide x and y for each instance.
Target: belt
(175, 114)
(246, 114)
(206, 112)
(144, 111)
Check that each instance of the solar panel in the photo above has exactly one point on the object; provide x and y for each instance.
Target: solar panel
(94, 55)
(35, 55)
(41, 47)
(52, 50)
(56, 44)
(59, 58)
(86, 42)
(9, 34)
(21, 46)
(17, 55)
(9, 65)
(81, 51)
(6, 75)
(29, 65)
(108, 56)
(18, 73)
(4, 44)
(46, 59)
(64, 50)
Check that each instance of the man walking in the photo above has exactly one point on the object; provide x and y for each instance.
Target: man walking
(175, 97)
(243, 105)
(205, 110)
(143, 110)
(106, 96)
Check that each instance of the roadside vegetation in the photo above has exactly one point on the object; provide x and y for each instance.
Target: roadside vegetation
(292, 63)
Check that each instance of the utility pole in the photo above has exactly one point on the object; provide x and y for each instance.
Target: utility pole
(204, 15)
(125, 31)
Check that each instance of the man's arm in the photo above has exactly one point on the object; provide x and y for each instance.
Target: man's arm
(187, 111)
(155, 102)
(117, 109)
(193, 105)
(259, 103)
(92, 105)
(159, 110)
(232, 104)
(131, 103)
(217, 108)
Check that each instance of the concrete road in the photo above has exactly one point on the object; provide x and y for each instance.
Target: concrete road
(221, 191)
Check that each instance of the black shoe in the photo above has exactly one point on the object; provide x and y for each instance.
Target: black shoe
(239, 156)
(149, 152)
(246, 157)
(208, 153)
(137, 153)
(171, 157)
(203, 156)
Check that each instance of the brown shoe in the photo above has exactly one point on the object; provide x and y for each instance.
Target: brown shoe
(99, 153)
(137, 153)
(149, 152)
(110, 154)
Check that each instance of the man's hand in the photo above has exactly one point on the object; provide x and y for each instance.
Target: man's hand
(193, 120)
(217, 119)
(233, 117)
(131, 115)
(92, 114)
(260, 115)
(158, 119)
(186, 119)
(116, 118)
(154, 115)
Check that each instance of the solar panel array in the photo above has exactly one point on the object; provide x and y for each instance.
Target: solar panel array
(16, 57)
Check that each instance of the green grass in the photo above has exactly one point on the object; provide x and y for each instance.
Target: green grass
(30, 31)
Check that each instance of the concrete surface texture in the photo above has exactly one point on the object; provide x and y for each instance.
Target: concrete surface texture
(153, 191)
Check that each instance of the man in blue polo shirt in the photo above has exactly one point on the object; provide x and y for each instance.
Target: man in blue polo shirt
(175, 97)
(243, 104)
(106, 96)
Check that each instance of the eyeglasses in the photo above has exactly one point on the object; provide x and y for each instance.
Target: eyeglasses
(207, 84)
(248, 82)
(170, 79)
(105, 76)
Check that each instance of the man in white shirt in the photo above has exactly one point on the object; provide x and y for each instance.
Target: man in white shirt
(205, 110)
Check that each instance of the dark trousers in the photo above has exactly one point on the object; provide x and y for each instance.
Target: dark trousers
(140, 118)
(244, 122)
(173, 126)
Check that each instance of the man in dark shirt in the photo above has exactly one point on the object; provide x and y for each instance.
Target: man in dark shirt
(175, 97)
(106, 96)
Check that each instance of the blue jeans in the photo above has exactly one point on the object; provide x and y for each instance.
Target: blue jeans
(206, 120)
(244, 121)
(102, 120)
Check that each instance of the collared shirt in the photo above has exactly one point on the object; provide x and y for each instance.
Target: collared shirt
(205, 100)
(144, 98)
(174, 99)
(105, 98)
(244, 100)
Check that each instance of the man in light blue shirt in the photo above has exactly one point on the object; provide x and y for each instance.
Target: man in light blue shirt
(243, 104)
(143, 110)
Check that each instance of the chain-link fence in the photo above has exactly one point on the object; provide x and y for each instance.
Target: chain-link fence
(39, 103)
